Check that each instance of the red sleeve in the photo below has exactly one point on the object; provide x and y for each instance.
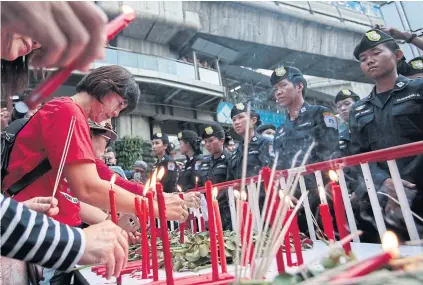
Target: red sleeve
(106, 174)
(55, 130)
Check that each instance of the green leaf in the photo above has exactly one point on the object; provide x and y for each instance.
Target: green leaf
(284, 279)
(204, 250)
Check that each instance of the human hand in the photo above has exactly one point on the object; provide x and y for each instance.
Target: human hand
(176, 209)
(192, 199)
(395, 33)
(44, 205)
(134, 238)
(67, 31)
(106, 244)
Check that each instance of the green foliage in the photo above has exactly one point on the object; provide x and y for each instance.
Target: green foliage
(128, 150)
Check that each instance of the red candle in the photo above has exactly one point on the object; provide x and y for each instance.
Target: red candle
(219, 232)
(202, 222)
(144, 239)
(326, 216)
(339, 208)
(245, 229)
(115, 26)
(212, 230)
(390, 245)
(266, 173)
(181, 224)
(112, 197)
(47, 88)
(164, 235)
(153, 234)
(293, 231)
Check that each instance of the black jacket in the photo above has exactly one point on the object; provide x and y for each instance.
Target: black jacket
(189, 172)
(171, 173)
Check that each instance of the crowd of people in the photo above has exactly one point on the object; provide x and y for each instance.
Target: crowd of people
(40, 229)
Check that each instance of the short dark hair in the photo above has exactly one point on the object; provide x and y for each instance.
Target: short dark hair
(113, 78)
(296, 79)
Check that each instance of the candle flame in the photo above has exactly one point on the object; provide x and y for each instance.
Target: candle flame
(243, 196)
(147, 185)
(289, 202)
(333, 176)
(390, 243)
(281, 195)
(160, 174)
(112, 180)
(214, 192)
(236, 194)
(126, 9)
(196, 179)
(179, 188)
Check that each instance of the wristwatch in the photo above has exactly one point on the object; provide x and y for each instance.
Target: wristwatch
(411, 38)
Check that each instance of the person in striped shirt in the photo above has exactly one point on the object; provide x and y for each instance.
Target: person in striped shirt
(36, 238)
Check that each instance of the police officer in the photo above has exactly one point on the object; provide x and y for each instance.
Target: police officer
(214, 167)
(258, 147)
(305, 122)
(391, 115)
(267, 130)
(190, 147)
(416, 68)
(161, 149)
(344, 100)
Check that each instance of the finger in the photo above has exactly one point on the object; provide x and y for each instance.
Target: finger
(94, 21)
(110, 262)
(119, 259)
(76, 34)
(41, 208)
(123, 242)
(44, 200)
(408, 184)
(53, 211)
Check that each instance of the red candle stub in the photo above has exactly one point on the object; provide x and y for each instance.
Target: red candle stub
(389, 245)
(153, 233)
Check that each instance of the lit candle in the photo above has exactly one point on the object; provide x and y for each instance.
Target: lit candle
(113, 211)
(153, 234)
(164, 235)
(326, 216)
(338, 205)
(112, 197)
(219, 232)
(212, 230)
(181, 224)
(144, 241)
(196, 183)
(390, 247)
(115, 26)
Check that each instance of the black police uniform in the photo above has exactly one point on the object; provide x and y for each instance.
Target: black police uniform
(216, 170)
(168, 163)
(189, 172)
(377, 125)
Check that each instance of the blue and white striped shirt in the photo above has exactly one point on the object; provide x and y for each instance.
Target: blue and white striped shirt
(35, 238)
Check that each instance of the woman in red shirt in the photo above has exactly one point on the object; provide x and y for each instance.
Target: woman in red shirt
(102, 94)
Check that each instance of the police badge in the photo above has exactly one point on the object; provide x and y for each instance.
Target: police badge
(209, 130)
(240, 106)
(280, 71)
(346, 92)
(373, 36)
(179, 135)
(159, 135)
(417, 64)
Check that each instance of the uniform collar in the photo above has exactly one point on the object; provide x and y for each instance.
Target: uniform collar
(304, 107)
(255, 138)
(400, 84)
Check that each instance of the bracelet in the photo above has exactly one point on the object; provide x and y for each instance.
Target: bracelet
(411, 38)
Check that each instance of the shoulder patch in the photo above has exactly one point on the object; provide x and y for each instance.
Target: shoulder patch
(171, 166)
(197, 164)
(330, 120)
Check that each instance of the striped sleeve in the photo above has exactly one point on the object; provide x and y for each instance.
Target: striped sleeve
(33, 237)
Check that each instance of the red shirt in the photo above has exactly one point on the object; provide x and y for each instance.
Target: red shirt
(45, 136)
(106, 174)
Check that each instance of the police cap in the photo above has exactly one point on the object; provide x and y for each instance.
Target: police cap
(416, 65)
(242, 108)
(187, 135)
(345, 94)
(283, 72)
(161, 136)
(213, 130)
(371, 39)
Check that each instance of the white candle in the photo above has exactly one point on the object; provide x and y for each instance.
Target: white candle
(377, 211)
(231, 201)
(307, 209)
(405, 207)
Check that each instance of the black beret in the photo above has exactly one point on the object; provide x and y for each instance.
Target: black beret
(283, 72)
(241, 108)
(371, 39)
(161, 136)
(262, 128)
(187, 135)
(213, 130)
(345, 94)
(416, 64)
